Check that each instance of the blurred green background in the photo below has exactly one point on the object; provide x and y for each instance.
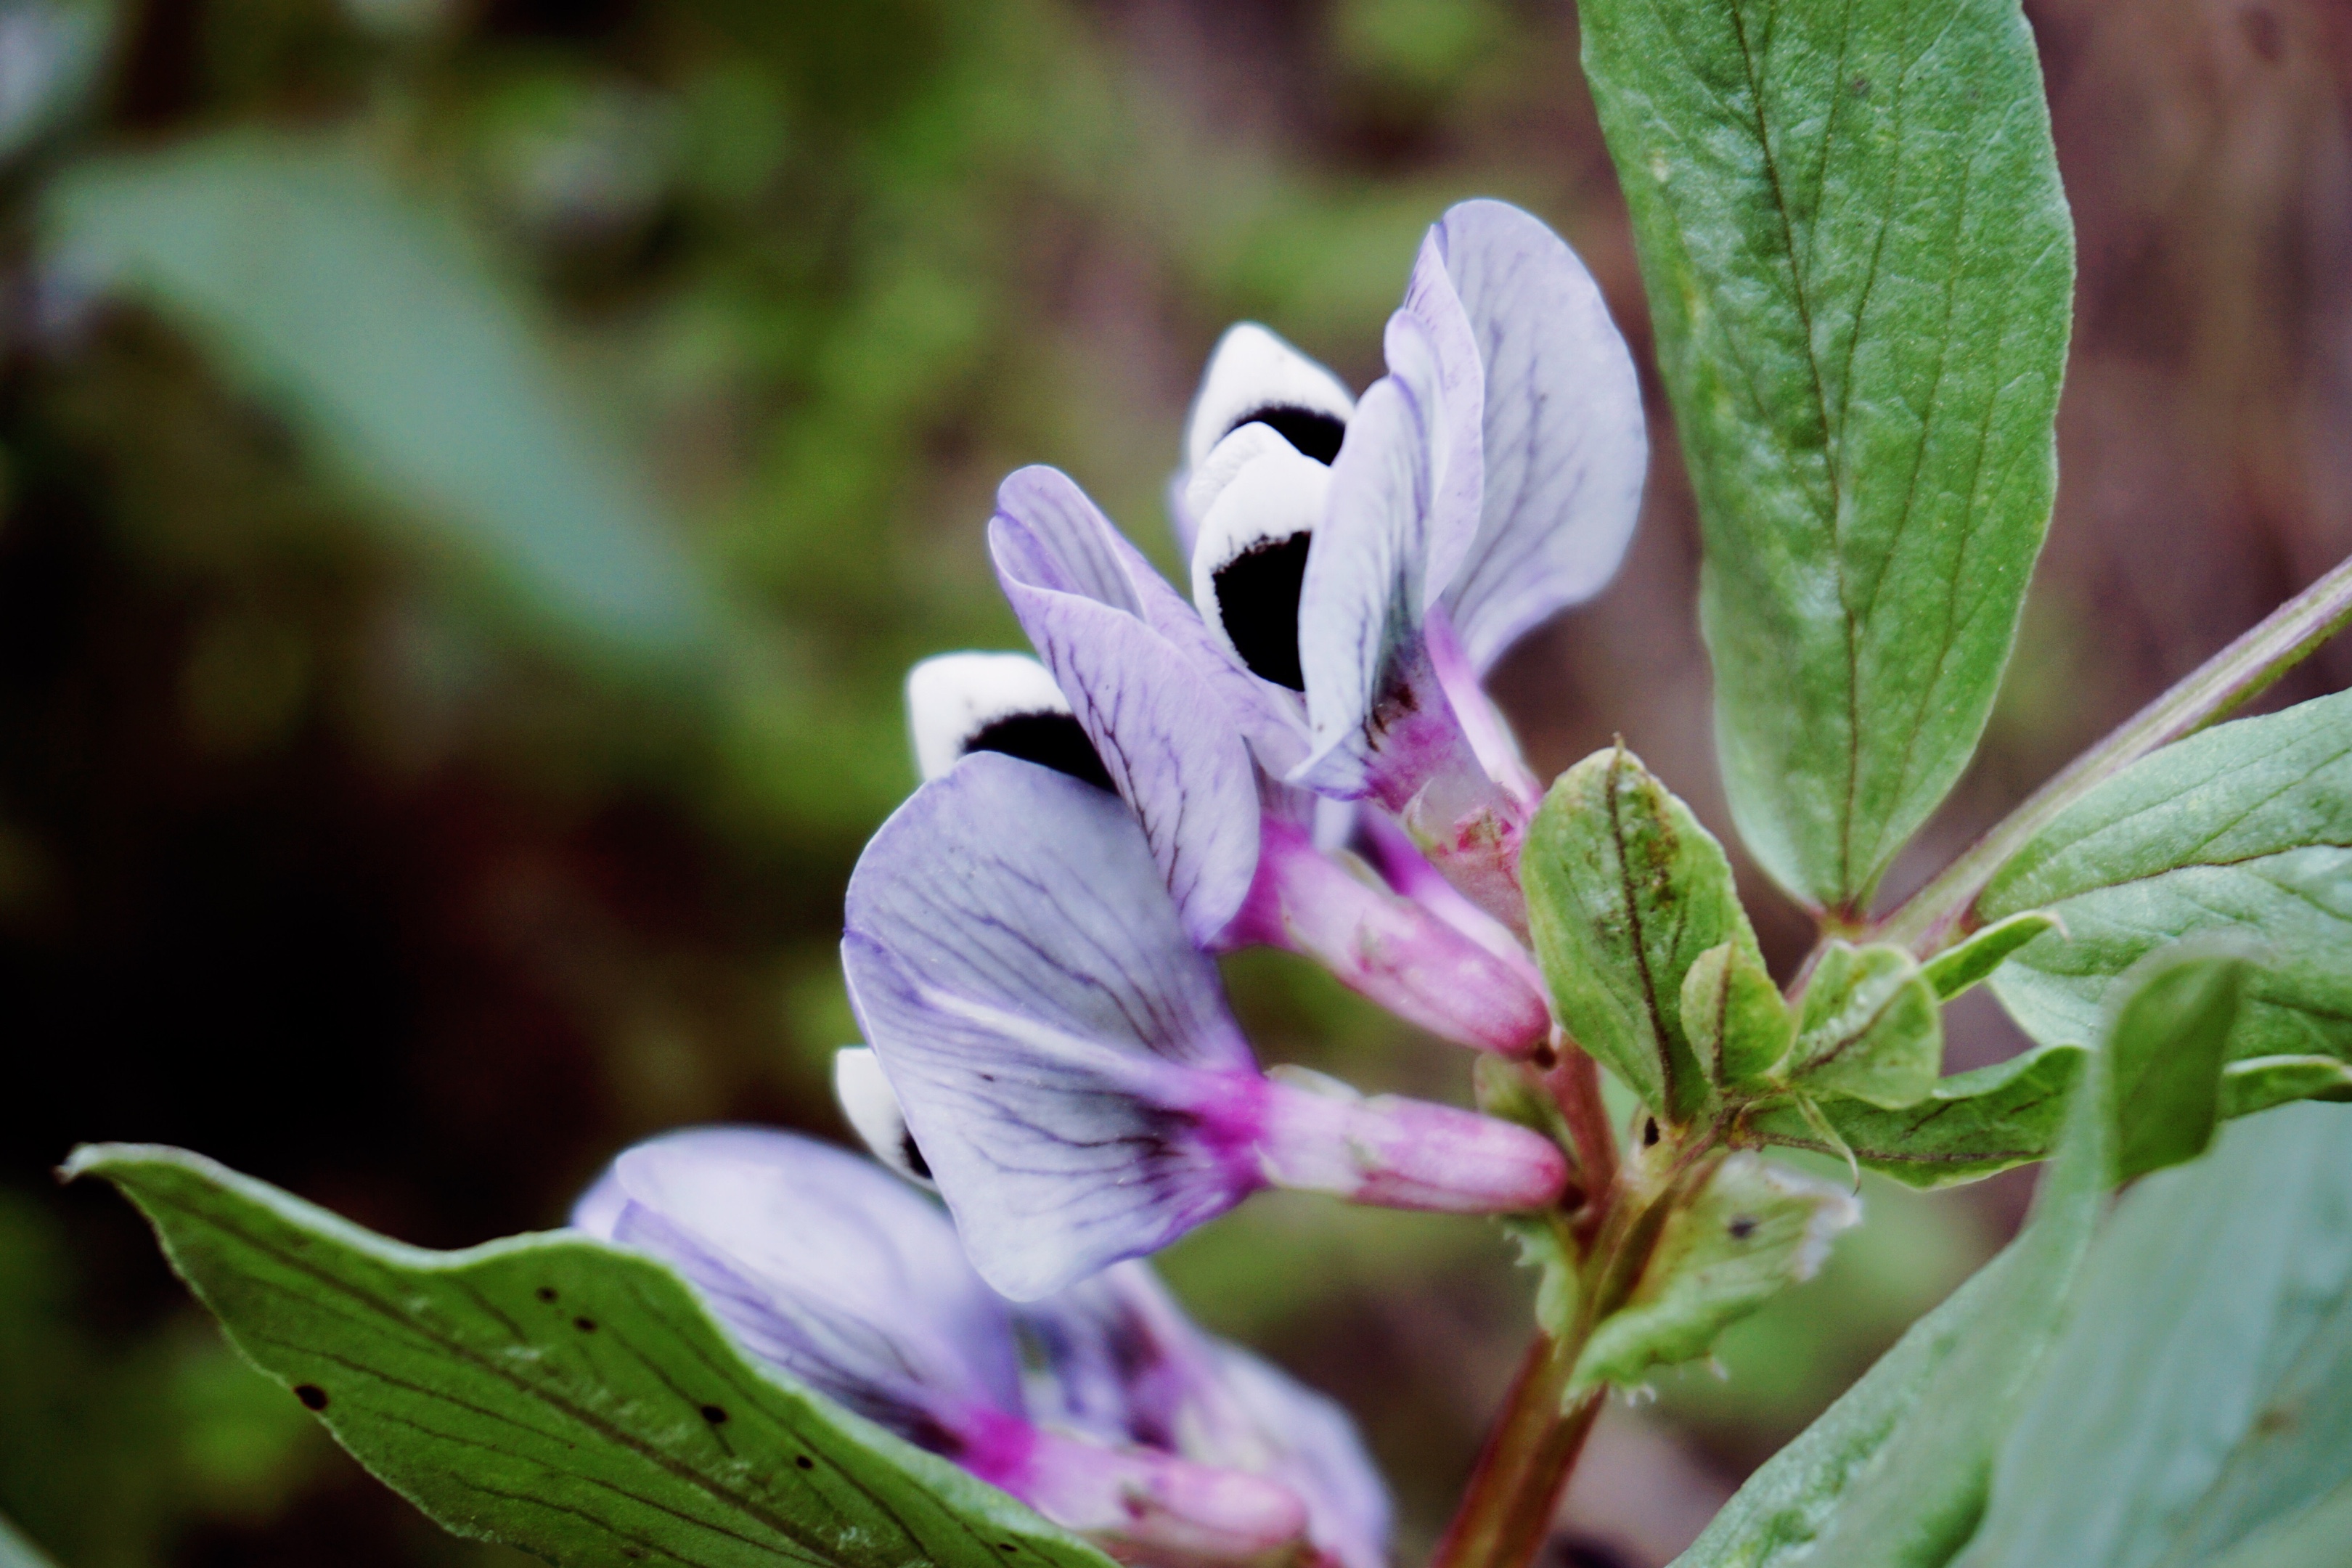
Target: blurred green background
(472, 476)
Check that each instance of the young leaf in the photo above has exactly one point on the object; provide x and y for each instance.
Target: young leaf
(1961, 967)
(1860, 265)
(1733, 1015)
(1755, 1229)
(2243, 831)
(1970, 1125)
(1625, 890)
(2258, 1083)
(2201, 1398)
(558, 1395)
(1869, 1028)
(1895, 1475)
(2168, 1040)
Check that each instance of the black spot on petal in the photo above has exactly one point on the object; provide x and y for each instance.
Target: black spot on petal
(1316, 435)
(913, 1154)
(312, 1396)
(1054, 741)
(1257, 600)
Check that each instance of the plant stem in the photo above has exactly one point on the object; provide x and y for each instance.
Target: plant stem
(1506, 1515)
(1575, 1084)
(2223, 683)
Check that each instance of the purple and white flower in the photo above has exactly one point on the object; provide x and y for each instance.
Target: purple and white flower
(1189, 740)
(1064, 1058)
(1491, 478)
(1104, 1410)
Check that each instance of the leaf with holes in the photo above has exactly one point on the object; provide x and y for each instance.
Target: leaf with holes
(1860, 265)
(558, 1395)
(1967, 1127)
(1625, 891)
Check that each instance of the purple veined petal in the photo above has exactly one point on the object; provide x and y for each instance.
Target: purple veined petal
(1564, 446)
(1431, 348)
(1392, 852)
(1163, 1507)
(1251, 556)
(1059, 1154)
(958, 703)
(1055, 538)
(1378, 722)
(1163, 733)
(1116, 1358)
(822, 1264)
(1254, 375)
(871, 1108)
(1013, 887)
(1488, 733)
(1390, 948)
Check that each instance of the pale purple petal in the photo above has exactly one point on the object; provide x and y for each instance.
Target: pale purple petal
(1162, 731)
(1315, 1134)
(1059, 1154)
(1380, 723)
(1168, 1508)
(1564, 447)
(822, 1263)
(1122, 1363)
(1064, 543)
(1016, 888)
(1438, 362)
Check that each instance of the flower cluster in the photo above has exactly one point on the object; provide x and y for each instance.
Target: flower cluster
(1297, 754)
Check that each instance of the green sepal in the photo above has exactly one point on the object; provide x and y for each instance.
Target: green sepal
(1737, 1025)
(1868, 1028)
(1970, 1126)
(2258, 1083)
(1962, 965)
(1754, 1229)
(1625, 890)
(2170, 1035)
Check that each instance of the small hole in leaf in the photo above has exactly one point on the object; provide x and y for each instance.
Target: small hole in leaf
(1742, 1227)
(1649, 1132)
(803, 1462)
(311, 1396)
(547, 1292)
(714, 1414)
(586, 1325)
(1006, 1546)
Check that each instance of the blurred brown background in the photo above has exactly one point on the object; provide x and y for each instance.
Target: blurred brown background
(412, 810)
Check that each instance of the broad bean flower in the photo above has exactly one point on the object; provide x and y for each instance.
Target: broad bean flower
(1063, 1053)
(1104, 1408)
(1362, 563)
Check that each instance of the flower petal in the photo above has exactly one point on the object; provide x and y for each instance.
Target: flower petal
(1164, 732)
(1254, 375)
(962, 702)
(1432, 349)
(1253, 545)
(871, 1106)
(822, 1263)
(1058, 1154)
(1064, 543)
(1564, 449)
(1013, 887)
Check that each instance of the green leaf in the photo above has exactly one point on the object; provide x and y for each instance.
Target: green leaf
(368, 321)
(1737, 1025)
(2259, 1083)
(2243, 832)
(1860, 265)
(1869, 1028)
(1756, 1229)
(1961, 967)
(559, 1395)
(1625, 890)
(2202, 1397)
(2168, 1040)
(1895, 1474)
(1970, 1126)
